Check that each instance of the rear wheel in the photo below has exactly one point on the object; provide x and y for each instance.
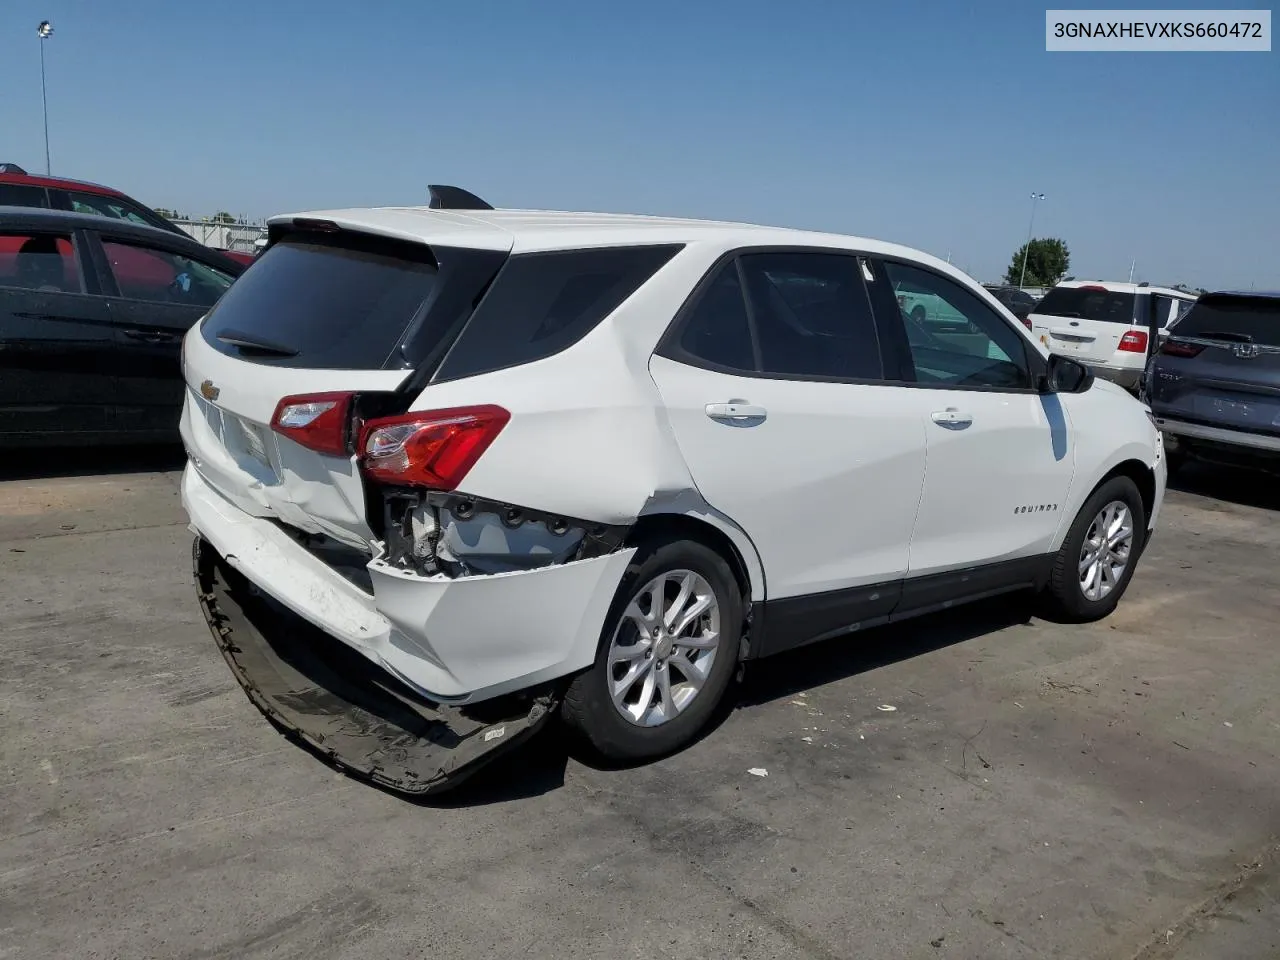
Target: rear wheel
(1096, 561)
(667, 654)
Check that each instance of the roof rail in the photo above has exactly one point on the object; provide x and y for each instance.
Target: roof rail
(12, 168)
(454, 198)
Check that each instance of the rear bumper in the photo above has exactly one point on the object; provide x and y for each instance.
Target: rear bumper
(1127, 377)
(338, 704)
(451, 640)
(1252, 442)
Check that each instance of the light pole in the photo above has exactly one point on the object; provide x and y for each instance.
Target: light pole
(1035, 197)
(44, 32)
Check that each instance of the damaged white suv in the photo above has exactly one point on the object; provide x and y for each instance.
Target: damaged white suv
(453, 470)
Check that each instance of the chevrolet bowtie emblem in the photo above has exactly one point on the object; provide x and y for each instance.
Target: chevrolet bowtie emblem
(209, 391)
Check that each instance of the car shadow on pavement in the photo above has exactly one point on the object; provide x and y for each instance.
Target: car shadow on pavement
(539, 766)
(46, 463)
(1243, 487)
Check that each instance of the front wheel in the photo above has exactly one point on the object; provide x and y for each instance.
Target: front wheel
(667, 654)
(1093, 567)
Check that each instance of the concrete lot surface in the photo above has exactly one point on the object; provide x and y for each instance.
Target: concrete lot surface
(1037, 790)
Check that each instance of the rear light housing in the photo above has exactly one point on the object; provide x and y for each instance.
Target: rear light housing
(1135, 341)
(1179, 348)
(1025, 321)
(430, 448)
(317, 421)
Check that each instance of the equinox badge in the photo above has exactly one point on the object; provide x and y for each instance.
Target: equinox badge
(209, 391)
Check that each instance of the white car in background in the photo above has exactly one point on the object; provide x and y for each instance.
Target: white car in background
(1106, 325)
(454, 471)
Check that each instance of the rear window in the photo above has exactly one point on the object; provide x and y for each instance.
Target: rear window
(18, 195)
(542, 303)
(1244, 319)
(1088, 303)
(323, 306)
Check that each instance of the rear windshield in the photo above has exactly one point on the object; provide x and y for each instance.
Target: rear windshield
(1088, 303)
(1243, 319)
(323, 306)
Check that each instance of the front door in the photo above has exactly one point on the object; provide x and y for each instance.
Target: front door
(777, 401)
(1000, 456)
(156, 296)
(56, 348)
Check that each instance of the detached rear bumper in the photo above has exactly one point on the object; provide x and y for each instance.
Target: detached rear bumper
(340, 705)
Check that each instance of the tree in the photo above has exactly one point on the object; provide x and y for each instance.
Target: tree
(223, 217)
(1047, 263)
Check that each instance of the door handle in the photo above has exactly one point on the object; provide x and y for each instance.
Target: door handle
(146, 337)
(737, 412)
(951, 418)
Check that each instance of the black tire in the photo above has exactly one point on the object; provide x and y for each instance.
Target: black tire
(1065, 597)
(587, 707)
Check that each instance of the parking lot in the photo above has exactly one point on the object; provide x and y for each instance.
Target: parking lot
(975, 784)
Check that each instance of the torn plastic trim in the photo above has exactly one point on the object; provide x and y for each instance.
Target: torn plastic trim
(336, 703)
(456, 535)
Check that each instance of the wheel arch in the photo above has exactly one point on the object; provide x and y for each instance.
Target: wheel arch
(1144, 479)
(734, 546)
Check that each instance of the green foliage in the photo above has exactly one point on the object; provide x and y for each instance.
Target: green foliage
(1047, 262)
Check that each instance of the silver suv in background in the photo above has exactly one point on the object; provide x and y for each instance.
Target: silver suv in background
(1214, 384)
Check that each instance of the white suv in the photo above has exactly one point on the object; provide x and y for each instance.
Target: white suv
(1106, 325)
(528, 462)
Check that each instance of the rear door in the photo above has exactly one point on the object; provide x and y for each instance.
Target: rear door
(56, 348)
(779, 405)
(1221, 365)
(1084, 323)
(154, 295)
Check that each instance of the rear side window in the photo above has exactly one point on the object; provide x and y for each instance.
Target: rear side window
(1088, 303)
(145, 273)
(45, 262)
(1234, 319)
(718, 332)
(17, 195)
(543, 303)
(323, 306)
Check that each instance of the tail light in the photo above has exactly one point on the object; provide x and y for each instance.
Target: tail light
(1177, 348)
(433, 449)
(1026, 322)
(1135, 341)
(317, 421)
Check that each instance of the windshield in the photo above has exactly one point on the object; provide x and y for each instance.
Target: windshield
(1244, 319)
(1088, 303)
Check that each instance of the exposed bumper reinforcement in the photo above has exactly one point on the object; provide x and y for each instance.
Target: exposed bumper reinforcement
(337, 703)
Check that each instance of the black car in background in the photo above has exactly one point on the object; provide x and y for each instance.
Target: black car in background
(92, 315)
(1214, 384)
(1019, 302)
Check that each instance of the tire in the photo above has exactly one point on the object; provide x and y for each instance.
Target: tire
(589, 708)
(1065, 591)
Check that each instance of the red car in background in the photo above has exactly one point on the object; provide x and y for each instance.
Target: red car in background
(20, 189)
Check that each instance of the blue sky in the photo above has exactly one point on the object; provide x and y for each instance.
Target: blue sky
(925, 123)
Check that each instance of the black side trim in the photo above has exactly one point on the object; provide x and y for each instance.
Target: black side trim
(341, 706)
(780, 625)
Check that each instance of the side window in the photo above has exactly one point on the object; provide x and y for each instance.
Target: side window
(145, 273)
(39, 261)
(956, 340)
(18, 195)
(543, 303)
(112, 207)
(811, 316)
(717, 331)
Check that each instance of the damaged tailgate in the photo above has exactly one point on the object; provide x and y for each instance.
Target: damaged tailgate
(344, 707)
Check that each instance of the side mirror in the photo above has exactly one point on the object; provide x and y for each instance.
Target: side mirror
(1064, 375)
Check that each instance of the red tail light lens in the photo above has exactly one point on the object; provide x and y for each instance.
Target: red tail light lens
(317, 421)
(431, 448)
(1176, 348)
(1135, 341)
(1026, 322)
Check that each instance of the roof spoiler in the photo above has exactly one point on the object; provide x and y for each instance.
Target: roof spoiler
(454, 198)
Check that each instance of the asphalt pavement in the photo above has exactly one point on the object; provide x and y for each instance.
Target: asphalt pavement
(980, 784)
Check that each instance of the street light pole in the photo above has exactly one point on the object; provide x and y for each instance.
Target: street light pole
(1035, 198)
(44, 31)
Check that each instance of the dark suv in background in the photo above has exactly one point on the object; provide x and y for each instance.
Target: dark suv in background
(1214, 384)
